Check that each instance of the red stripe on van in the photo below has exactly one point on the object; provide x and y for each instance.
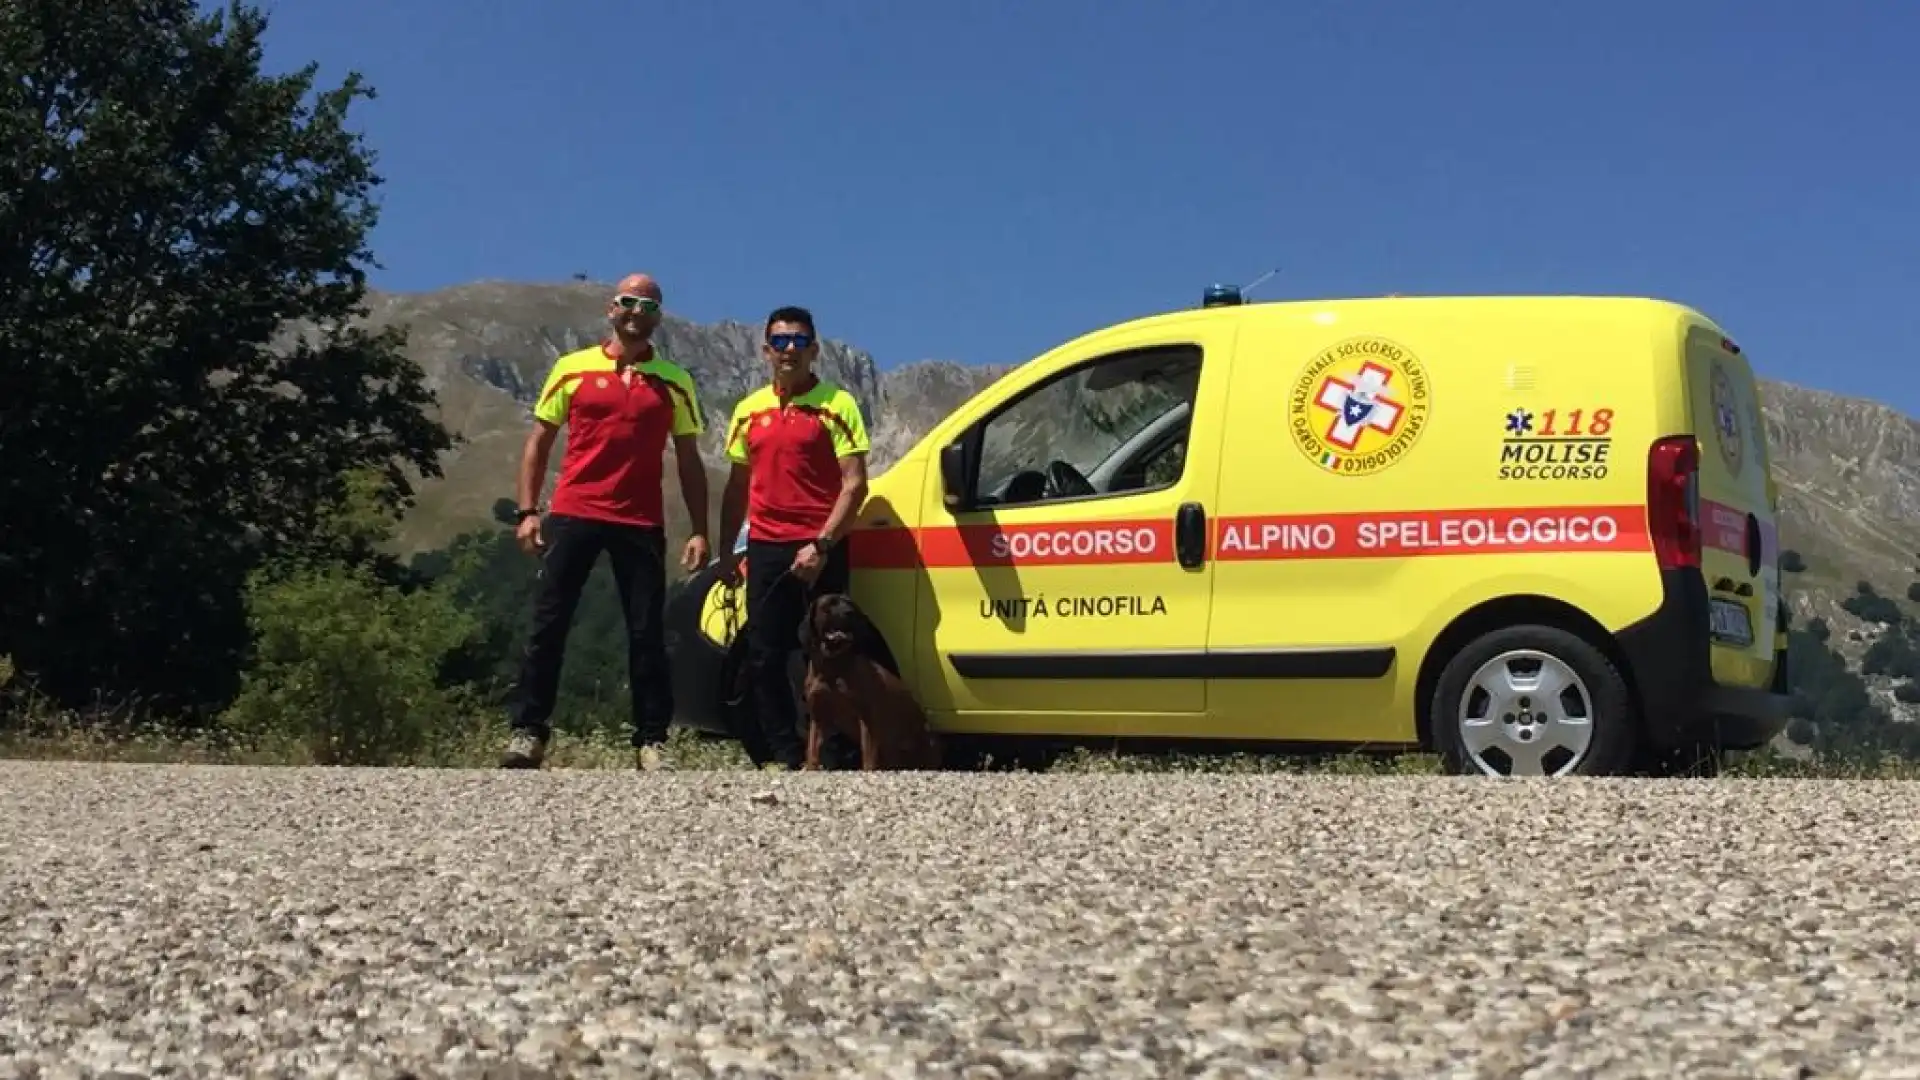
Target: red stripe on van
(1375, 535)
(1504, 530)
(1066, 543)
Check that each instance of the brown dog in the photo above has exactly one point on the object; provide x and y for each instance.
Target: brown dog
(848, 692)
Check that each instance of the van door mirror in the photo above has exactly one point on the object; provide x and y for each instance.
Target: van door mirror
(953, 476)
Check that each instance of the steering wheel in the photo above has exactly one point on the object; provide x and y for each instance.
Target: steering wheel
(1025, 486)
(1066, 480)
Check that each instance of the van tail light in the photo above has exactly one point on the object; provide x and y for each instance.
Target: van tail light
(1673, 501)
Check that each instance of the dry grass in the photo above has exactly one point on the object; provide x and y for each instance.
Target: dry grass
(30, 730)
(54, 737)
(68, 738)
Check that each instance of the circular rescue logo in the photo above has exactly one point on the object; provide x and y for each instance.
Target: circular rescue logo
(1730, 436)
(1360, 406)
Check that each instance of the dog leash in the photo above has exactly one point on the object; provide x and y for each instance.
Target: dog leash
(731, 606)
(731, 617)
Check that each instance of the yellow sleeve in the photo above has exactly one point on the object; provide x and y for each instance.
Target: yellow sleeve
(737, 432)
(849, 427)
(557, 393)
(687, 418)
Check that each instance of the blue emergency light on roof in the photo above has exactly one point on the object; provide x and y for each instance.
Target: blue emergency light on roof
(1221, 296)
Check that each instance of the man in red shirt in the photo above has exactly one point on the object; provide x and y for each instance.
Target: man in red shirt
(621, 401)
(799, 452)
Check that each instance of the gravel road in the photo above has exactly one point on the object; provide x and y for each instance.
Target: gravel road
(213, 921)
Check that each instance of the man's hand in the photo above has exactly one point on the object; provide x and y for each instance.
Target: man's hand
(808, 562)
(533, 466)
(730, 571)
(694, 555)
(528, 533)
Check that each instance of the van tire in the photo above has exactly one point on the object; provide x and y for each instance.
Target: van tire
(1607, 702)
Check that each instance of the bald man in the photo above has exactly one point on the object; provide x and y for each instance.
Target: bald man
(621, 401)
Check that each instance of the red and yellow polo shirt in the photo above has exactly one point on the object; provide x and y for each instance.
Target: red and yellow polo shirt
(617, 432)
(793, 448)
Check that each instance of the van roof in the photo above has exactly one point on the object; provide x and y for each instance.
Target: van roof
(1650, 309)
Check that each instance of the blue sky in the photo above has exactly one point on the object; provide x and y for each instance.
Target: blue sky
(980, 181)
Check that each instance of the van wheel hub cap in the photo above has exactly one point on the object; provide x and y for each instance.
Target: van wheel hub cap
(1526, 713)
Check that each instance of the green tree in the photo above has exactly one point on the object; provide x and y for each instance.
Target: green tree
(182, 243)
(1893, 655)
(1867, 604)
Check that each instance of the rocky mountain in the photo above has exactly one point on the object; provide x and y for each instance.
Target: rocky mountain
(1849, 469)
(1849, 476)
(487, 346)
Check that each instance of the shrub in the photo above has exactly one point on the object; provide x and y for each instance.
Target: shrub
(1892, 655)
(1869, 606)
(346, 669)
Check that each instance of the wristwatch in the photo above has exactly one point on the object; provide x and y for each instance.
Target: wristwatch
(525, 513)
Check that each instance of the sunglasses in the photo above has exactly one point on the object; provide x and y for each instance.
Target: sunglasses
(646, 305)
(783, 342)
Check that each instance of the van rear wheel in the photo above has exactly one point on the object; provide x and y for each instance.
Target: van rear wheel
(1533, 701)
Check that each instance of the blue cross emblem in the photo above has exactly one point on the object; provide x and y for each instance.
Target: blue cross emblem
(1358, 406)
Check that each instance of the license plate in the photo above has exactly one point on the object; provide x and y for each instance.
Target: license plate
(1731, 622)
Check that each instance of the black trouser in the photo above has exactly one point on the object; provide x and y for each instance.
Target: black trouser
(777, 604)
(638, 554)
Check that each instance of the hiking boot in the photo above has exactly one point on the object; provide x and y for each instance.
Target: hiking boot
(524, 751)
(649, 759)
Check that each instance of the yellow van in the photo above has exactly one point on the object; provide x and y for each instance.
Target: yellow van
(1536, 535)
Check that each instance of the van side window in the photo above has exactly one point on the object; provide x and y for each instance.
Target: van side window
(1113, 425)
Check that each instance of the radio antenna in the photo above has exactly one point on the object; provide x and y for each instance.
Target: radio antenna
(1248, 287)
